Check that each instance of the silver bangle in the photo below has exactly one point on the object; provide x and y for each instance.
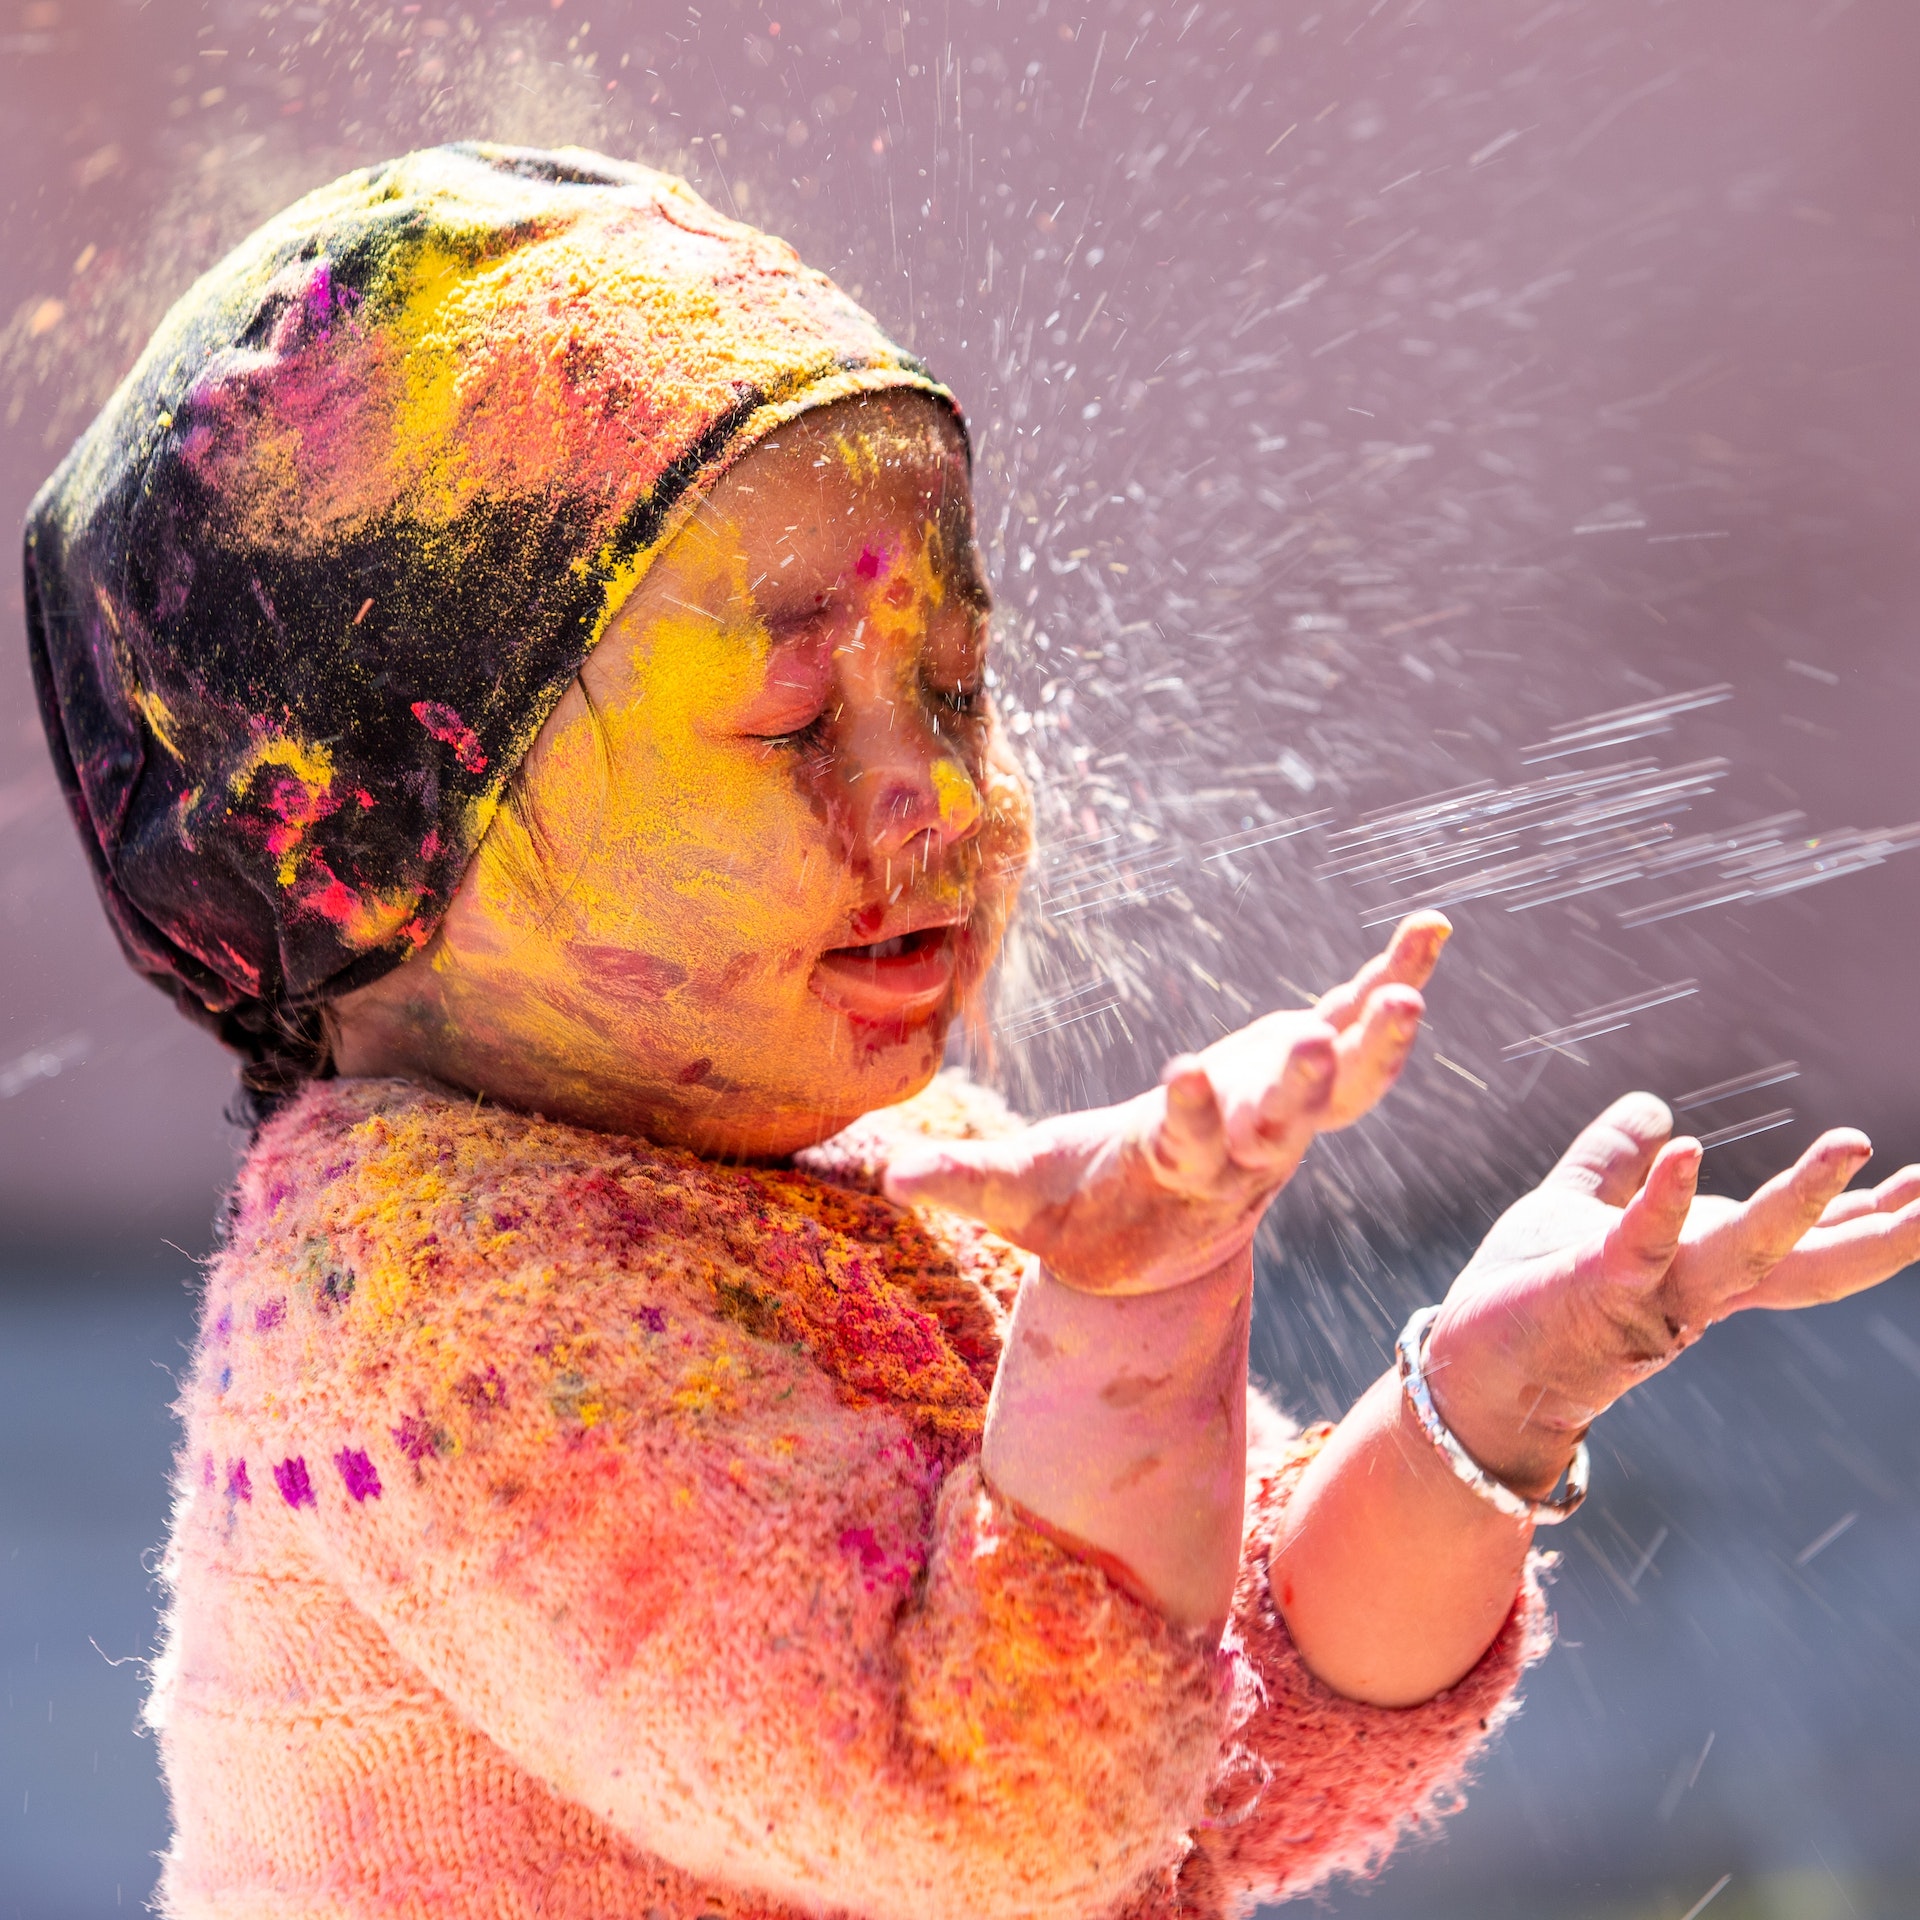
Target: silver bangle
(1411, 1350)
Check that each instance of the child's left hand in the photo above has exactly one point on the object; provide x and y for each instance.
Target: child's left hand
(1155, 1192)
(1613, 1266)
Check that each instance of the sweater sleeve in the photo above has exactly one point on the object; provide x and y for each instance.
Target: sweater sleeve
(679, 1510)
(1310, 1784)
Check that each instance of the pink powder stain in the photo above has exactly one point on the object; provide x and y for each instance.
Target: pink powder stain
(445, 725)
(871, 564)
(875, 1562)
(336, 901)
(414, 1437)
(239, 1487)
(266, 1318)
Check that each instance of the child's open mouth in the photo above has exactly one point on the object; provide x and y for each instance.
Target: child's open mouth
(906, 975)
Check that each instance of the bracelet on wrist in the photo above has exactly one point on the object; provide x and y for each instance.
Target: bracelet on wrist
(1411, 1353)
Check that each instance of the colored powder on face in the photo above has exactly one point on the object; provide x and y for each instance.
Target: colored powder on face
(290, 1476)
(358, 1472)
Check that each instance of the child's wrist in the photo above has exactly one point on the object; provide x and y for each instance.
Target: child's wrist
(1505, 1427)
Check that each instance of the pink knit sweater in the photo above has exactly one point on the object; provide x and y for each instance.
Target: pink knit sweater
(573, 1528)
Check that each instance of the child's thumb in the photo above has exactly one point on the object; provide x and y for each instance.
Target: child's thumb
(965, 1176)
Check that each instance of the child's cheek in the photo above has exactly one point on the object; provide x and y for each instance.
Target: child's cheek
(697, 855)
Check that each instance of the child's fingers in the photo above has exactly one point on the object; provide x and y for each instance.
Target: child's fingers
(1269, 1079)
(1894, 1192)
(1408, 961)
(1642, 1243)
(1188, 1149)
(980, 1178)
(1610, 1156)
(1372, 1053)
(1770, 1225)
(1834, 1261)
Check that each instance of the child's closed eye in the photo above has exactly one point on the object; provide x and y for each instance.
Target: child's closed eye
(793, 698)
(959, 703)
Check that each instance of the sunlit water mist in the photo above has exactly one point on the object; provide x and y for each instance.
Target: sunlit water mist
(1401, 483)
(1449, 453)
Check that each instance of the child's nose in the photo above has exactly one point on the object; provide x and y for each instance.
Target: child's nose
(908, 798)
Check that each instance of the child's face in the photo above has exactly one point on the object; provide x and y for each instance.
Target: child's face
(768, 843)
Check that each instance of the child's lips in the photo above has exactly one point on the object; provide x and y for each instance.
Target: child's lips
(898, 978)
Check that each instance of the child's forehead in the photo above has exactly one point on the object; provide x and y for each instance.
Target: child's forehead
(886, 444)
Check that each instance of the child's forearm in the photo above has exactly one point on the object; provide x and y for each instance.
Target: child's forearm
(1118, 1424)
(1394, 1577)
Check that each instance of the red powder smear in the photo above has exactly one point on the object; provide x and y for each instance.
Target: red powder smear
(327, 894)
(443, 723)
(870, 564)
(633, 976)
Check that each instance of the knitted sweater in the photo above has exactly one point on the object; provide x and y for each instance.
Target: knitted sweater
(566, 1526)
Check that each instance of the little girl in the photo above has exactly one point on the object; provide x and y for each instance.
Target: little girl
(514, 648)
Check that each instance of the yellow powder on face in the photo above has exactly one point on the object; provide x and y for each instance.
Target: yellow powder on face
(653, 904)
(959, 798)
(640, 937)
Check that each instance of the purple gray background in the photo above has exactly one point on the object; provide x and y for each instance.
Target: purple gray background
(1362, 393)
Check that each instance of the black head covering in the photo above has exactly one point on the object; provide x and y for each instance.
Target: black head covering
(301, 597)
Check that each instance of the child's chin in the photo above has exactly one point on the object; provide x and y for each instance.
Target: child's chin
(811, 1099)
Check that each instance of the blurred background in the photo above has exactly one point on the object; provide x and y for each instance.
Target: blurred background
(1453, 451)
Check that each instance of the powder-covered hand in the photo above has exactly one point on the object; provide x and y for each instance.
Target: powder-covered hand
(1161, 1189)
(1613, 1266)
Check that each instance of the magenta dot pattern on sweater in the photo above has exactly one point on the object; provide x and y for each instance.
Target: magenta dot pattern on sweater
(357, 1471)
(290, 1476)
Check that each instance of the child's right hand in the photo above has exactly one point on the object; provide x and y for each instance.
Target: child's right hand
(1162, 1189)
(1613, 1266)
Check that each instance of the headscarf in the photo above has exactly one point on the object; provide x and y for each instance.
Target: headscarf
(301, 597)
